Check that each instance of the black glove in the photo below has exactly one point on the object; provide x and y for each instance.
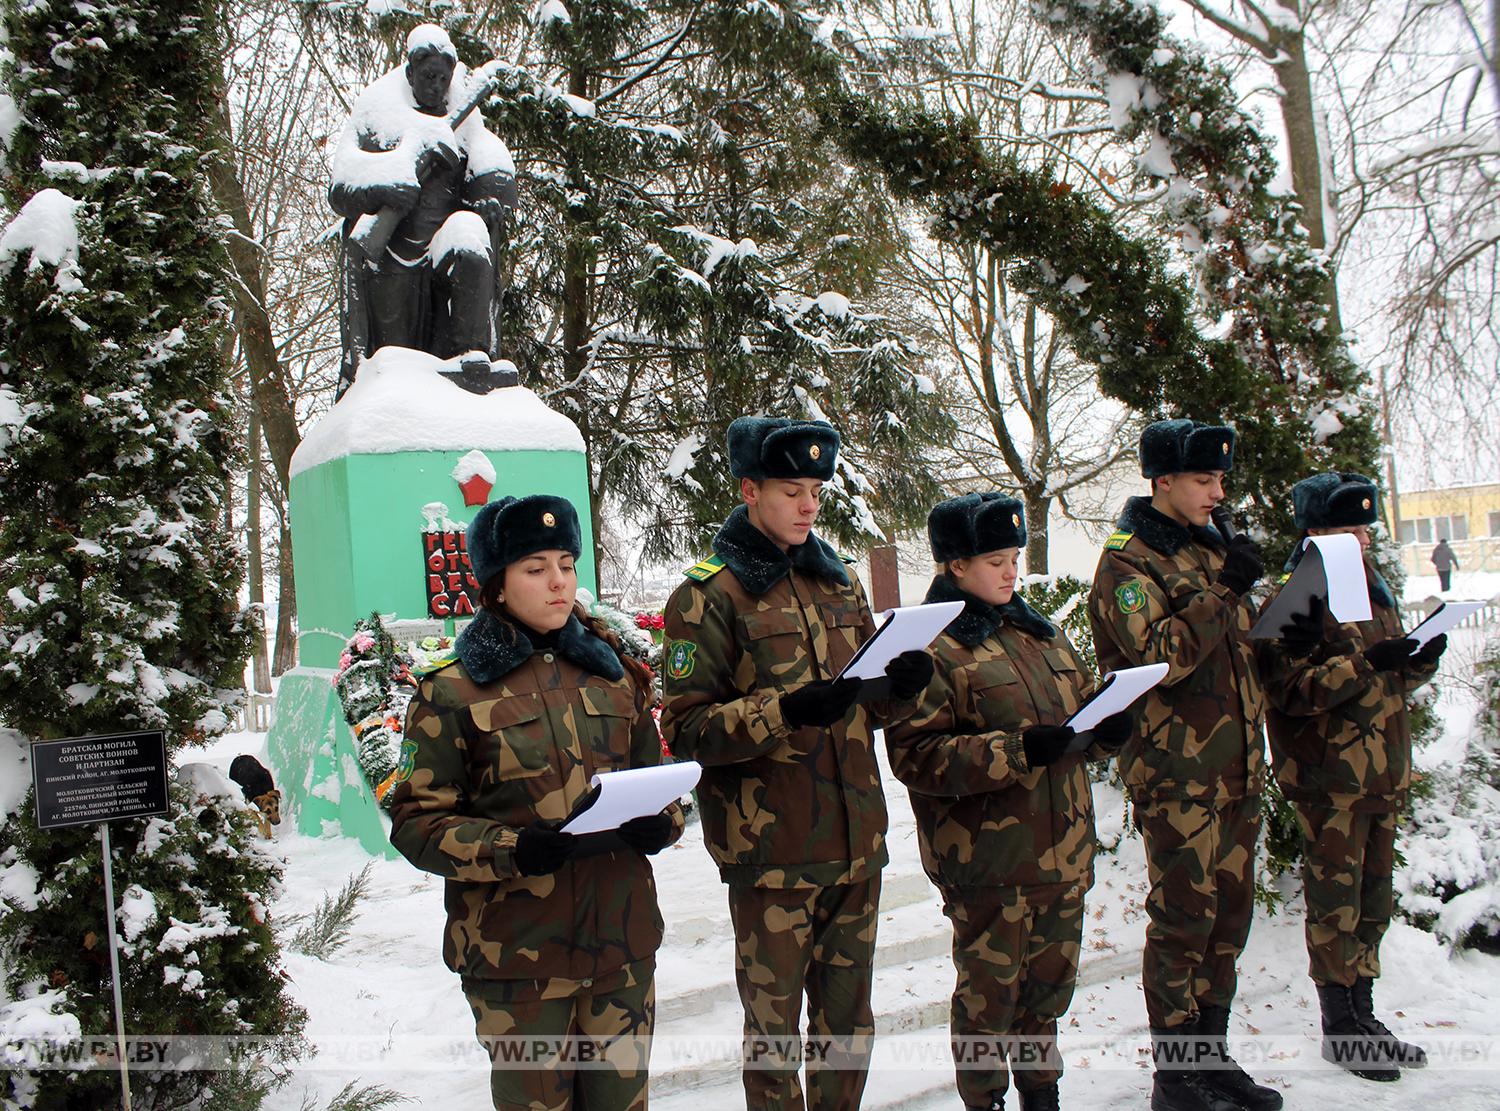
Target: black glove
(1113, 731)
(1392, 654)
(541, 851)
(1431, 652)
(909, 674)
(649, 835)
(1304, 631)
(820, 703)
(1045, 743)
(1242, 566)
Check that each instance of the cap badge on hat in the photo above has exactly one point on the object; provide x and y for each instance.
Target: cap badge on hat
(815, 451)
(1365, 504)
(1224, 448)
(1015, 519)
(549, 520)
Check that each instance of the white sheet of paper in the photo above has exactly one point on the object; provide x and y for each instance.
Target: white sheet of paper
(635, 793)
(1118, 692)
(1332, 567)
(900, 630)
(1440, 620)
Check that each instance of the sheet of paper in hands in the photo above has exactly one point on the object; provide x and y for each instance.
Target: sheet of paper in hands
(1447, 616)
(1333, 568)
(900, 630)
(634, 793)
(1117, 692)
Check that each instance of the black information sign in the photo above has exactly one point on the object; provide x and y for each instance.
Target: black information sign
(85, 780)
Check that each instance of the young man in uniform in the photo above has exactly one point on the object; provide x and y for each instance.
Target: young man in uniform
(1341, 748)
(1171, 589)
(793, 811)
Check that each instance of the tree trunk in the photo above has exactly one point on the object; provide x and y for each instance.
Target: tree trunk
(1038, 505)
(285, 653)
(259, 665)
(1305, 149)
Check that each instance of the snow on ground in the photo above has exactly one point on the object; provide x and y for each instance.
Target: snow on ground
(385, 1010)
(1466, 586)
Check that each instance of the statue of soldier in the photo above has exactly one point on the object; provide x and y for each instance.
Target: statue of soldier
(440, 190)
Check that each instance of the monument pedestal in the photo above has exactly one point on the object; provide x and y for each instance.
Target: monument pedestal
(378, 504)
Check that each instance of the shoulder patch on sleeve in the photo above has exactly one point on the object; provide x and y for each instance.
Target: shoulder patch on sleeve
(705, 569)
(1284, 578)
(1117, 541)
(435, 664)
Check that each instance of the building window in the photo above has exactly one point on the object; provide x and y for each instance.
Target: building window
(1458, 528)
(1494, 523)
(1409, 529)
(1424, 530)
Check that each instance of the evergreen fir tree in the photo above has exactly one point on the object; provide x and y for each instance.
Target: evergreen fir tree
(118, 571)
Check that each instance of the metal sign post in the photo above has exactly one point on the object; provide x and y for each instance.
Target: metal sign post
(114, 963)
(95, 781)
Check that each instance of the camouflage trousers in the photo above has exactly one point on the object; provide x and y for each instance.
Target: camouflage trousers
(1200, 858)
(1347, 862)
(601, 1062)
(818, 940)
(1017, 961)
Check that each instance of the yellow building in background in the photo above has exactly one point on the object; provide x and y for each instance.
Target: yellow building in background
(1468, 517)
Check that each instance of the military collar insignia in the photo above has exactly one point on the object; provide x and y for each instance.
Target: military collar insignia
(979, 620)
(759, 564)
(490, 648)
(1159, 531)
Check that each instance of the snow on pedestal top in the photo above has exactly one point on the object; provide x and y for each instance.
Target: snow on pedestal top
(399, 402)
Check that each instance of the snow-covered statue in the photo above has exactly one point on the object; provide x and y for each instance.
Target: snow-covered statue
(424, 190)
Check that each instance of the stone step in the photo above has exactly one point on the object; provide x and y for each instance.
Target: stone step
(913, 986)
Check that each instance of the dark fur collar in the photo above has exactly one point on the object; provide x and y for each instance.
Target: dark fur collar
(1159, 531)
(980, 619)
(1380, 590)
(491, 647)
(759, 564)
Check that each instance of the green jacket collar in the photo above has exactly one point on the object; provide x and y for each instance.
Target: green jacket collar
(759, 564)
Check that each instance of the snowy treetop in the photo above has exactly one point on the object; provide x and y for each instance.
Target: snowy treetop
(399, 402)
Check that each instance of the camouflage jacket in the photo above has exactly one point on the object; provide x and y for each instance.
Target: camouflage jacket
(1155, 599)
(506, 735)
(781, 807)
(985, 818)
(1339, 730)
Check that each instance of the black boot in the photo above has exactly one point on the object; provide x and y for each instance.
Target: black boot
(1345, 1042)
(1405, 1054)
(1177, 1086)
(996, 1103)
(1040, 1099)
(1221, 1071)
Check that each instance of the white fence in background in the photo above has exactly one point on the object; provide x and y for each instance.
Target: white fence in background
(254, 714)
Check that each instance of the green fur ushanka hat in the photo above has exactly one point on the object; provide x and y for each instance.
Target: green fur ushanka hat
(513, 528)
(1333, 500)
(972, 524)
(774, 447)
(1176, 446)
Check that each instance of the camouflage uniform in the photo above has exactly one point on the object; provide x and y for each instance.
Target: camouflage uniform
(1010, 847)
(504, 736)
(1341, 750)
(1195, 766)
(794, 818)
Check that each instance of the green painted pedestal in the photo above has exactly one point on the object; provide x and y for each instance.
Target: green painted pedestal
(368, 481)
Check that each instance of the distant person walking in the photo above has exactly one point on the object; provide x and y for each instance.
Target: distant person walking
(1445, 562)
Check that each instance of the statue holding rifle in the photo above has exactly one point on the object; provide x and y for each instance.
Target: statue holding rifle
(424, 189)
